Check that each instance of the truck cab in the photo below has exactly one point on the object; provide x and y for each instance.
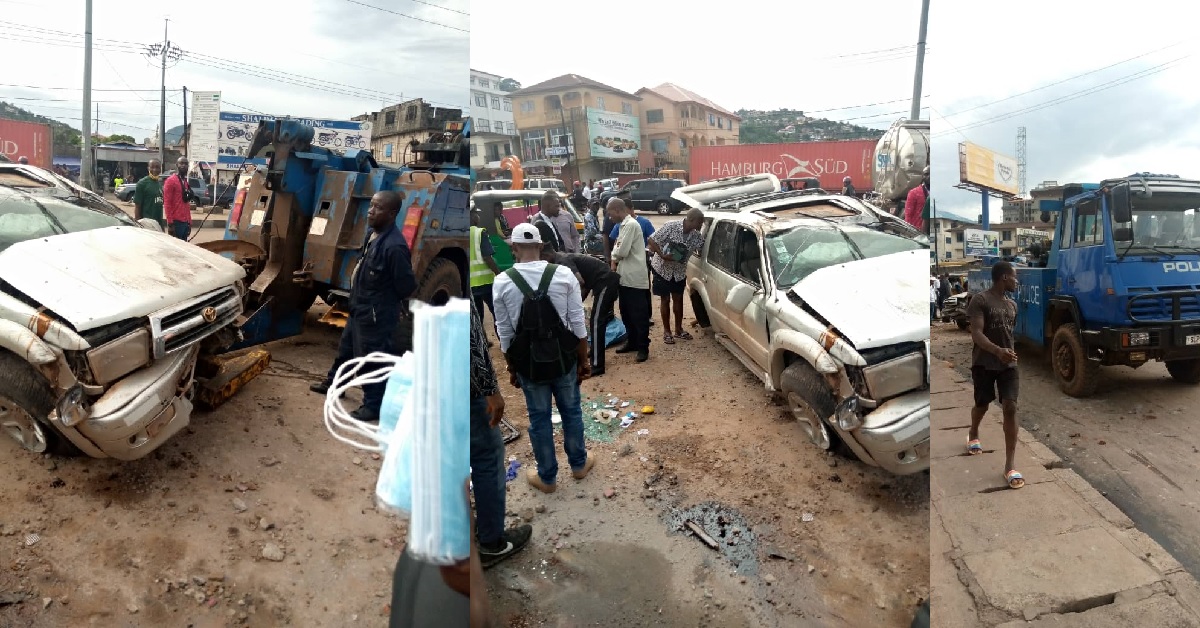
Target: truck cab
(1121, 283)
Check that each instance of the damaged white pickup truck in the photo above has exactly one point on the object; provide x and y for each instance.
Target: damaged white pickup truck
(101, 323)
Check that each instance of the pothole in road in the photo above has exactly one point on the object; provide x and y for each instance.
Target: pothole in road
(723, 525)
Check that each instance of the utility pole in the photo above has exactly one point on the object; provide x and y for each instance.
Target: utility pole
(85, 171)
(187, 136)
(97, 118)
(915, 114)
(162, 103)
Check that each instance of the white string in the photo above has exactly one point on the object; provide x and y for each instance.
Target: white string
(347, 377)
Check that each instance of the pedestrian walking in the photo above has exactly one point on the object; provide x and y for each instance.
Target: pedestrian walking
(671, 246)
(118, 181)
(597, 279)
(483, 268)
(592, 243)
(994, 363)
(382, 284)
(847, 186)
(544, 340)
(933, 299)
(629, 261)
(177, 201)
(488, 472)
(148, 196)
(914, 205)
(556, 227)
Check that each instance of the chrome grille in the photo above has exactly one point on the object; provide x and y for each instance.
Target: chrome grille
(183, 325)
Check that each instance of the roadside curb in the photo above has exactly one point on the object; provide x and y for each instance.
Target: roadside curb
(1068, 556)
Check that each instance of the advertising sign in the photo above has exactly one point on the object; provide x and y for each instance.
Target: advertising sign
(206, 114)
(613, 135)
(236, 133)
(979, 243)
(829, 162)
(987, 169)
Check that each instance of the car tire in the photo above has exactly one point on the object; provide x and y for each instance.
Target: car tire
(25, 403)
(1077, 376)
(809, 400)
(440, 283)
(699, 311)
(663, 208)
(962, 324)
(1185, 371)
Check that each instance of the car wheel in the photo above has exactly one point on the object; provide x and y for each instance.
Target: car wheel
(811, 402)
(699, 311)
(25, 399)
(663, 208)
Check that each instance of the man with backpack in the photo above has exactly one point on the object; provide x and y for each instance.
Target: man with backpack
(539, 319)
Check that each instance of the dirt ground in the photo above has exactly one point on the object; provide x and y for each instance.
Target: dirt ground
(1135, 441)
(809, 539)
(180, 538)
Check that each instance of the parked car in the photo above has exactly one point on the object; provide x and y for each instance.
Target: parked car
(124, 192)
(494, 184)
(650, 195)
(545, 183)
(828, 307)
(102, 319)
(223, 192)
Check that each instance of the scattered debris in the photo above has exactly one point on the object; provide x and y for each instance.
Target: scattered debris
(32, 539)
(268, 461)
(626, 450)
(643, 432)
(647, 409)
(609, 493)
(540, 508)
(703, 536)
(240, 505)
(11, 598)
(807, 517)
(357, 460)
(46, 601)
(273, 552)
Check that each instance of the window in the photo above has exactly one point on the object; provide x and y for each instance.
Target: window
(720, 123)
(507, 149)
(658, 146)
(507, 104)
(411, 114)
(712, 120)
(472, 80)
(485, 126)
(959, 237)
(599, 102)
(1065, 241)
(533, 145)
(484, 83)
(387, 150)
(389, 118)
(493, 152)
(722, 247)
(749, 258)
(496, 103)
(512, 128)
(527, 106)
(481, 100)
(474, 150)
(1006, 235)
(654, 116)
(1089, 231)
(626, 108)
(558, 136)
(947, 239)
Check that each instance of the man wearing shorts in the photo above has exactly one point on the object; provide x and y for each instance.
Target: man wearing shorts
(671, 246)
(994, 363)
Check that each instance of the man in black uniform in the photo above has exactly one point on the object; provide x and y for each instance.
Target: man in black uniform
(598, 279)
(382, 285)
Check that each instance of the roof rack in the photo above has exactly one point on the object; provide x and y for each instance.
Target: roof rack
(742, 200)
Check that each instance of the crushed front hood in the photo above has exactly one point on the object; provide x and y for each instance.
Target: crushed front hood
(873, 302)
(94, 278)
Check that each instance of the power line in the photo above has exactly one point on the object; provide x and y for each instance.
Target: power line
(77, 89)
(1068, 79)
(1072, 96)
(874, 104)
(411, 17)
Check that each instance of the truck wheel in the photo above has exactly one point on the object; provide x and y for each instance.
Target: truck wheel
(1077, 376)
(810, 402)
(663, 208)
(25, 402)
(440, 283)
(698, 310)
(963, 324)
(1185, 371)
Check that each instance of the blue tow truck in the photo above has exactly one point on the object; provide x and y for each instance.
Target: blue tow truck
(1120, 283)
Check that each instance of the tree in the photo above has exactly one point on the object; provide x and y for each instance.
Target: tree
(509, 85)
(121, 138)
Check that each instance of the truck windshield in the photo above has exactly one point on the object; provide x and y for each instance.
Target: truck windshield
(25, 217)
(797, 253)
(1163, 222)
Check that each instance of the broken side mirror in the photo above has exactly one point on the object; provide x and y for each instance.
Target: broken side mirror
(1122, 210)
(739, 297)
(150, 223)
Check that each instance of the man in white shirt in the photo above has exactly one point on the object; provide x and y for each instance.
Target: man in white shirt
(629, 260)
(564, 294)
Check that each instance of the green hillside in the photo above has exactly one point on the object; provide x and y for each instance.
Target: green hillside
(769, 127)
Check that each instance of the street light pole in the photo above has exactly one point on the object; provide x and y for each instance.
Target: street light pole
(85, 162)
(915, 114)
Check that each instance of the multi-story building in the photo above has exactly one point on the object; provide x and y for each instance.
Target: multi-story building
(494, 135)
(396, 128)
(1018, 209)
(573, 127)
(953, 239)
(675, 119)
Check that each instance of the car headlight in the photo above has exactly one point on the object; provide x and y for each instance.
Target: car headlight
(1137, 338)
(849, 413)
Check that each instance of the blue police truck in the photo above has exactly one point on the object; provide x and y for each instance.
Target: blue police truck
(1120, 284)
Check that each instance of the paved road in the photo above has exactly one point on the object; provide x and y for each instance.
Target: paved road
(1136, 441)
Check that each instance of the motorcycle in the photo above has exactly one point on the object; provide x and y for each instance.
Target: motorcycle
(234, 132)
(355, 141)
(325, 139)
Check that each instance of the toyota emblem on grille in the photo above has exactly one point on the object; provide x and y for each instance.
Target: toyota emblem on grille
(209, 314)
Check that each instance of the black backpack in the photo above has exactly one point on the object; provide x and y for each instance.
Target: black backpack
(543, 349)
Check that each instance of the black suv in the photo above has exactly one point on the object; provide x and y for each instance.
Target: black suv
(651, 195)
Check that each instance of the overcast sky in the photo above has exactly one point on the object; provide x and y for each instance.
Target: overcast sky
(347, 59)
(1146, 124)
(766, 54)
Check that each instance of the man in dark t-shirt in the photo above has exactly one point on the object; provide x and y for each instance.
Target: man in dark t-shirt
(994, 363)
(598, 279)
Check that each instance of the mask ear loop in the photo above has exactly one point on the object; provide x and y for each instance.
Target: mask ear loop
(347, 377)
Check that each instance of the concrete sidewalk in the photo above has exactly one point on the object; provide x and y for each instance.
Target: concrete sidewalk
(1055, 552)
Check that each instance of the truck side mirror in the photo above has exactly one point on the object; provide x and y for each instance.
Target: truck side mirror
(1045, 216)
(1122, 211)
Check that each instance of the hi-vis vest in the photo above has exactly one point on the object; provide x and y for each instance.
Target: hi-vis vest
(481, 274)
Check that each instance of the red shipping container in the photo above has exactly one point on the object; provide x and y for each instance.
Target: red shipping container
(27, 139)
(827, 161)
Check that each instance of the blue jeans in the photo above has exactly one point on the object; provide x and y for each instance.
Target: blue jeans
(180, 230)
(487, 474)
(565, 392)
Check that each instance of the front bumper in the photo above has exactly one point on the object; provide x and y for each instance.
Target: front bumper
(143, 410)
(896, 434)
(1165, 342)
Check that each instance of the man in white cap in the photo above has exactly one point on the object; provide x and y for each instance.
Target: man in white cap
(540, 323)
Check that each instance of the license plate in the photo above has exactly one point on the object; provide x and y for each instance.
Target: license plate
(1194, 339)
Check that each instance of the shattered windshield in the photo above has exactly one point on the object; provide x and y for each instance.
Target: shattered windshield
(797, 253)
(27, 217)
(1162, 223)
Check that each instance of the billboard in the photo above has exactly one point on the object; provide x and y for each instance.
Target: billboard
(613, 135)
(27, 139)
(206, 112)
(987, 169)
(979, 243)
(827, 161)
(236, 133)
